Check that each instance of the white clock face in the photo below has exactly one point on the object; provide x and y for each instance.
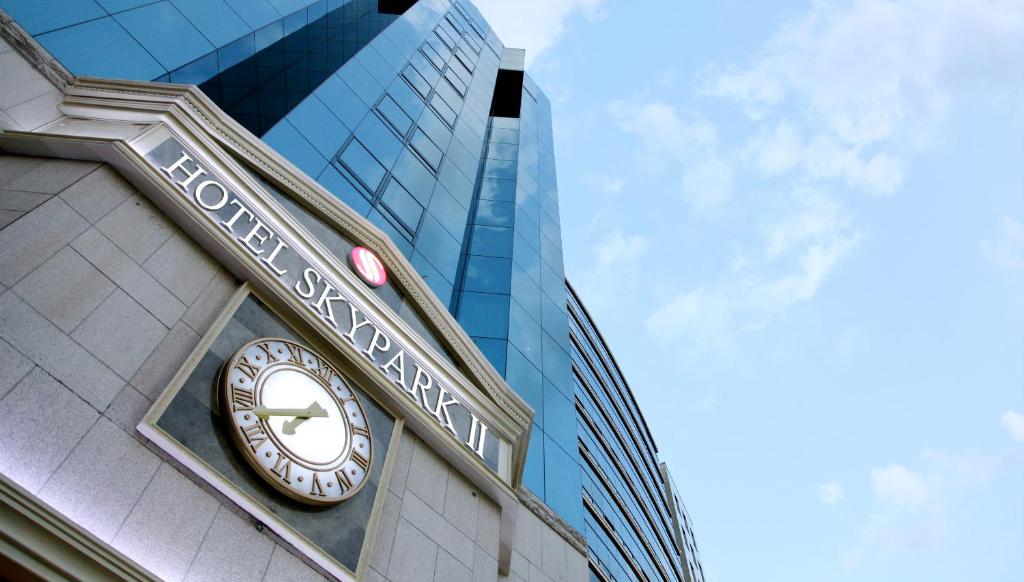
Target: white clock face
(296, 421)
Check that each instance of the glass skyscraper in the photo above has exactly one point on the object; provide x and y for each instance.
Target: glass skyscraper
(416, 116)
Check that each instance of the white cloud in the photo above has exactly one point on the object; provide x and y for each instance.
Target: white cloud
(616, 267)
(670, 139)
(1005, 252)
(702, 317)
(900, 488)
(708, 184)
(535, 25)
(838, 101)
(857, 73)
(605, 183)
(849, 77)
(1013, 422)
(831, 493)
(666, 134)
(912, 507)
(618, 249)
(794, 254)
(776, 151)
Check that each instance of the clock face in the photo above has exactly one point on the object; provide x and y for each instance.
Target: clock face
(296, 421)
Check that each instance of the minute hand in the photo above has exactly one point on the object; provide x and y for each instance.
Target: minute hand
(311, 412)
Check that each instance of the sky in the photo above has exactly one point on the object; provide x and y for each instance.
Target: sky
(800, 226)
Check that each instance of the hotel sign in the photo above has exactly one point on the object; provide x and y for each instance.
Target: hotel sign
(282, 260)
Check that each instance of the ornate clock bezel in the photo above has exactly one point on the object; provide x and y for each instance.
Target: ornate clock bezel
(226, 400)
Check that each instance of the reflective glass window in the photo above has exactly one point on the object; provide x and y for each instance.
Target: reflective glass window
(215, 20)
(417, 80)
(492, 213)
(498, 190)
(443, 110)
(525, 333)
(426, 148)
(332, 179)
(379, 139)
(449, 213)
(556, 365)
(526, 380)
(441, 287)
(527, 258)
(316, 122)
(287, 140)
(487, 274)
(342, 101)
(562, 483)
(500, 169)
(361, 81)
(484, 314)
(492, 241)
(363, 165)
(106, 38)
(406, 98)
(526, 292)
(533, 473)
(402, 205)
(461, 157)
(165, 33)
(458, 185)
(394, 115)
(432, 125)
(438, 247)
(559, 418)
(416, 178)
(493, 350)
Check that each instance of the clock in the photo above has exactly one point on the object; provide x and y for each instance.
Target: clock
(296, 421)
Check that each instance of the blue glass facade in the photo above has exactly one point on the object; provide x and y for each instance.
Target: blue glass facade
(396, 115)
(632, 525)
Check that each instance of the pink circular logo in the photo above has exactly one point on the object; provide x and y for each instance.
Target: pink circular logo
(368, 266)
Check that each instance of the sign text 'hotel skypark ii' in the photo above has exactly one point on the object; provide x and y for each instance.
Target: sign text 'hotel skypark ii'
(257, 235)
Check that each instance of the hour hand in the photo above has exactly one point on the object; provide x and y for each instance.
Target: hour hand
(312, 411)
(289, 426)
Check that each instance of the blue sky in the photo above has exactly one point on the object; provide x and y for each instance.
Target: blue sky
(801, 228)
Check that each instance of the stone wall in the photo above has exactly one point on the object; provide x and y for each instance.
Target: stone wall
(27, 99)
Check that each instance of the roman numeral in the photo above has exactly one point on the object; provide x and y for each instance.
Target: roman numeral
(477, 436)
(242, 399)
(360, 460)
(254, 435)
(248, 368)
(360, 430)
(316, 488)
(295, 354)
(283, 468)
(271, 356)
(344, 482)
(324, 371)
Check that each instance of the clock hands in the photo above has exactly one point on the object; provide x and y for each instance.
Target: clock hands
(300, 415)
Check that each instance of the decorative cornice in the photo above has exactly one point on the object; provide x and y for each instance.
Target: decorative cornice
(35, 54)
(40, 541)
(552, 520)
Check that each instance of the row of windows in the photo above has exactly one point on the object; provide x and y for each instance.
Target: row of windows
(595, 379)
(620, 502)
(629, 493)
(605, 554)
(618, 396)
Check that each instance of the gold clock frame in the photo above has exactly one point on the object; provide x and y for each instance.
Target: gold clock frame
(225, 400)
